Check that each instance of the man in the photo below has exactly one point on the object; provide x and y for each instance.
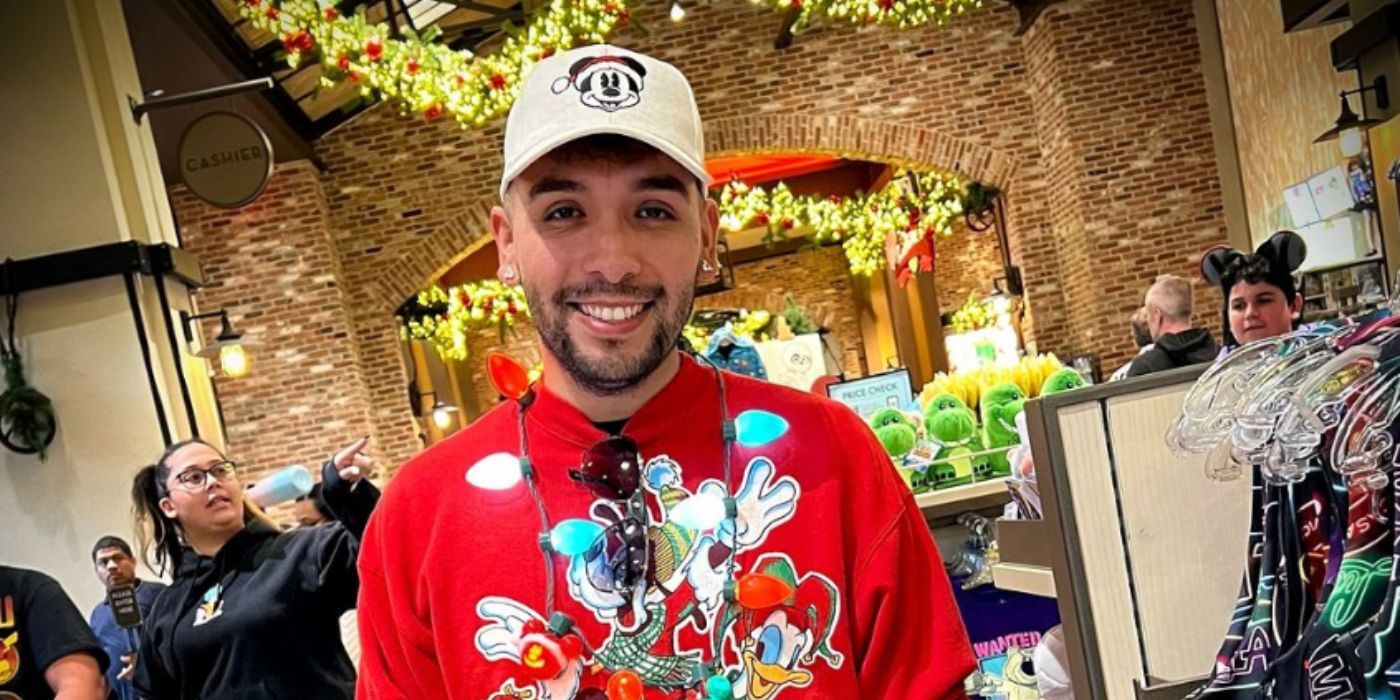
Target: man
(1175, 343)
(310, 510)
(1142, 338)
(115, 565)
(46, 651)
(807, 572)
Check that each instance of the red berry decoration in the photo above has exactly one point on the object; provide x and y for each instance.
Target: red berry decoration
(498, 81)
(433, 112)
(374, 48)
(343, 63)
(788, 224)
(413, 66)
(331, 13)
(253, 3)
(273, 13)
(762, 219)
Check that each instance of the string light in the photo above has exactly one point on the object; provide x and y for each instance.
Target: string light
(466, 308)
(912, 209)
(760, 591)
(758, 428)
(574, 536)
(436, 81)
(700, 512)
(508, 377)
(495, 472)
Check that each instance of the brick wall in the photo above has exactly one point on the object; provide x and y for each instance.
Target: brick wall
(1125, 129)
(273, 266)
(967, 263)
(1099, 138)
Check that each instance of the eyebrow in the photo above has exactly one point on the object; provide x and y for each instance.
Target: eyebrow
(551, 184)
(665, 183)
(668, 183)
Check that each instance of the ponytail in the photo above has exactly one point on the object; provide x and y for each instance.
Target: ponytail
(154, 530)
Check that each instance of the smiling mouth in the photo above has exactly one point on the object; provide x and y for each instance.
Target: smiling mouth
(610, 313)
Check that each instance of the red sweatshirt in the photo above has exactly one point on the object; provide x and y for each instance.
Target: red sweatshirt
(450, 573)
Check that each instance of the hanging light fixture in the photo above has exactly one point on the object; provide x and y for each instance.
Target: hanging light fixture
(441, 411)
(1349, 129)
(229, 347)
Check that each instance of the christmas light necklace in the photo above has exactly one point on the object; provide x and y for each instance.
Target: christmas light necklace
(627, 684)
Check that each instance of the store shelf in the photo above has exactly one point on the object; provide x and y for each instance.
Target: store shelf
(985, 494)
(1023, 578)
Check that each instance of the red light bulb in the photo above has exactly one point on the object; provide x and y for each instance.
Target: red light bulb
(508, 377)
(760, 591)
(625, 685)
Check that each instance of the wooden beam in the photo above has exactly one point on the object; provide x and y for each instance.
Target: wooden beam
(1308, 14)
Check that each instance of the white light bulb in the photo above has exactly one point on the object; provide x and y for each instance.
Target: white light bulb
(677, 12)
(442, 418)
(1351, 143)
(495, 472)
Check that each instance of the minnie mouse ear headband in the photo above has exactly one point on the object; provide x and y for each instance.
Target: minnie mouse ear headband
(1282, 254)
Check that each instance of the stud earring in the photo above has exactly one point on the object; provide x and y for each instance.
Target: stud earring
(508, 274)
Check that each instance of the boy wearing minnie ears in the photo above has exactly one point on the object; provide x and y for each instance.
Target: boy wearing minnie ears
(640, 524)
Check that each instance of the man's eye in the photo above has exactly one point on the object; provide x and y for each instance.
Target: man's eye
(655, 213)
(561, 213)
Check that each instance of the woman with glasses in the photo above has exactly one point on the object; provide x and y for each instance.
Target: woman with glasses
(253, 612)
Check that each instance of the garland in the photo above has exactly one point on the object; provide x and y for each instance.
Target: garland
(912, 210)
(433, 80)
(447, 316)
(752, 325)
(976, 315)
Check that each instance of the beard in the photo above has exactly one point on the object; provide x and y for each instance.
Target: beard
(613, 371)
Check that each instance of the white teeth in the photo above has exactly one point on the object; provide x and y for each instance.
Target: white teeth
(611, 313)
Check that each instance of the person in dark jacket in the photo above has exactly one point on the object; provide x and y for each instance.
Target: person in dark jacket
(1175, 343)
(253, 612)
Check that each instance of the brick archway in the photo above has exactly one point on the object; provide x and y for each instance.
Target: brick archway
(850, 137)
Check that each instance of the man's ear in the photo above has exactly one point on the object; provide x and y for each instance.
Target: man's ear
(709, 233)
(504, 234)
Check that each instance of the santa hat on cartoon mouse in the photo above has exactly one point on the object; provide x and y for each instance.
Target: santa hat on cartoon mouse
(583, 70)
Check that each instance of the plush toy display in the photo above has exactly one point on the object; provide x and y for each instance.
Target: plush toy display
(896, 432)
(951, 429)
(1062, 380)
(999, 408)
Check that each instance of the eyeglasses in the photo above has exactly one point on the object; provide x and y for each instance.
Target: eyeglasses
(619, 560)
(197, 479)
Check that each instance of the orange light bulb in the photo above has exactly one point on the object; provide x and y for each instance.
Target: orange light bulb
(761, 591)
(625, 685)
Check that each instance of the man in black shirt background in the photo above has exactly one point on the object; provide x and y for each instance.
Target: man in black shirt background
(47, 650)
(1175, 343)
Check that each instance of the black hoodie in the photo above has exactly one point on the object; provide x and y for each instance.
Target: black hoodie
(1172, 350)
(260, 619)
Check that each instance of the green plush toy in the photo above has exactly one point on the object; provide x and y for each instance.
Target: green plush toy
(999, 408)
(951, 428)
(1062, 380)
(895, 431)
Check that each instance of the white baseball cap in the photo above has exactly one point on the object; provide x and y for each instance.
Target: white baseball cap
(603, 89)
